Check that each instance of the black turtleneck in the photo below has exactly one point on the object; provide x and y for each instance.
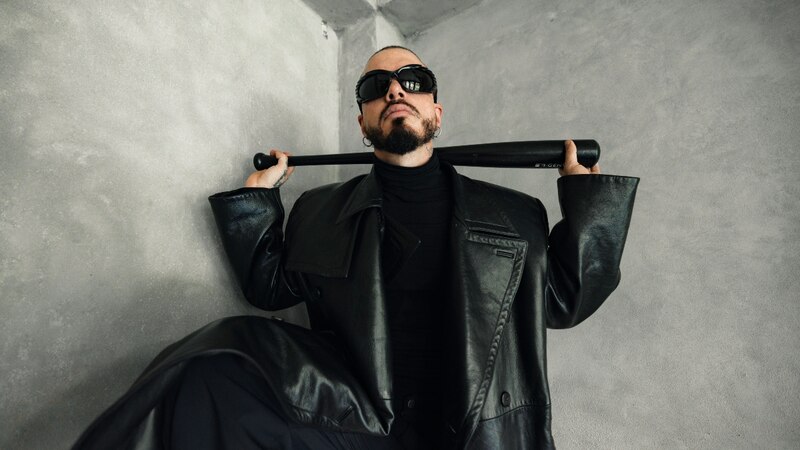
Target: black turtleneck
(419, 200)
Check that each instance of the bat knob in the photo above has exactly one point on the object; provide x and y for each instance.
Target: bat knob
(263, 161)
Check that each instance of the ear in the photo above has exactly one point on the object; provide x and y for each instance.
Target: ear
(361, 124)
(438, 110)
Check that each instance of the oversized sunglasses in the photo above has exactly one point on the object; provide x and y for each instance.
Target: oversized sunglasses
(413, 78)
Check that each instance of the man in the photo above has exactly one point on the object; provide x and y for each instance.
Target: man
(428, 293)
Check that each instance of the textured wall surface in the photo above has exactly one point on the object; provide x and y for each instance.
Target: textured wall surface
(698, 347)
(117, 122)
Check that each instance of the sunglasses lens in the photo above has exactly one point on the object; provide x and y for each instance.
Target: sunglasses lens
(415, 80)
(374, 86)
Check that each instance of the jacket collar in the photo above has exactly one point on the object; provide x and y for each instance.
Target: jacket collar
(366, 194)
(479, 214)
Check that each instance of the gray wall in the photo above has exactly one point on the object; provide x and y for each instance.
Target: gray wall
(117, 122)
(698, 348)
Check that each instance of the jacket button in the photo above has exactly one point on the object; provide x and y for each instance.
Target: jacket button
(505, 399)
(411, 403)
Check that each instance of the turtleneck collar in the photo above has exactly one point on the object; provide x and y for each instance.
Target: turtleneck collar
(394, 179)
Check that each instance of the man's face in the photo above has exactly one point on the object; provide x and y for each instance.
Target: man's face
(399, 121)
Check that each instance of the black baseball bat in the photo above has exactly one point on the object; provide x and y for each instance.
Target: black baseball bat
(521, 154)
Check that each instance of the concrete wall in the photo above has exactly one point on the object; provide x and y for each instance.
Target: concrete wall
(117, 122)
(698, 347)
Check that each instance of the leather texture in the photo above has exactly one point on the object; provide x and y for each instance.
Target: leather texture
(510, 280)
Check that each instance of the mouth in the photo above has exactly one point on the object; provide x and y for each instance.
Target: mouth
(398, 110)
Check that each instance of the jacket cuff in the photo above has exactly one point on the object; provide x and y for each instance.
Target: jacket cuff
(597, 197)
(245, 193)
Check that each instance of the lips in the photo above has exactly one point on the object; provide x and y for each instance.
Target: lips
(397, 108)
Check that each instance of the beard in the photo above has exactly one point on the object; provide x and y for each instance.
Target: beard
(400, 139)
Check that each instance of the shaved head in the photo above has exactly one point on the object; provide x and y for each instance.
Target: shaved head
(391, 48)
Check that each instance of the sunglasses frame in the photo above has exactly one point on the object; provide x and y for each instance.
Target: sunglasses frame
(395, 75)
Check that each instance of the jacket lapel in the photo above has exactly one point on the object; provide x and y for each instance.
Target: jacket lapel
(488, 261)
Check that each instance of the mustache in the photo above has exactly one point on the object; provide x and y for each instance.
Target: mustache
(398, 102)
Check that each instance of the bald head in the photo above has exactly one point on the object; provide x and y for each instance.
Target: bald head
(391, 58)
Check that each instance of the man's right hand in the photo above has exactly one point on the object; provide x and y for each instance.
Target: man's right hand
(273, 177)
(571, 165)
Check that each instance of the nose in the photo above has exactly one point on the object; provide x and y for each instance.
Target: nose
(395, 91)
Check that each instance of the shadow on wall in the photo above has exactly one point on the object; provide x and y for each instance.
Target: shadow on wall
(58, 423)
(126, 307)
(99, 379)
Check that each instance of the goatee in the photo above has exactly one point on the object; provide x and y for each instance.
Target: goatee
(401, 140)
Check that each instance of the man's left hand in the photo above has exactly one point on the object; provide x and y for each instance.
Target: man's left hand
(571, 164)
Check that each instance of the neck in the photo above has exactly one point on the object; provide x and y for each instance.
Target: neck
(414, 158)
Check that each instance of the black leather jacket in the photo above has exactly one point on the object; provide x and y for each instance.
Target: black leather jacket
(510, 280)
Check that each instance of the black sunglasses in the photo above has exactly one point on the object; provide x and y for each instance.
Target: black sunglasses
(413, 78)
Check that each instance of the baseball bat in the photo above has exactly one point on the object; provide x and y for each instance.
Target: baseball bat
(521, 154)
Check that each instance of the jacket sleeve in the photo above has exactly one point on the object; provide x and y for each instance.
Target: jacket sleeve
(250, 223)
(585, 247)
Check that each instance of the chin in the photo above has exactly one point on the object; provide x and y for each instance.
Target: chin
(399, 122)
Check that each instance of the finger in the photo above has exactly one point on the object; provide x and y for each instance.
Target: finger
(291, 168)
(277, 154)
(570, 157)
(283, 159)
(570, 153)
(281, 169)
(596, 168)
